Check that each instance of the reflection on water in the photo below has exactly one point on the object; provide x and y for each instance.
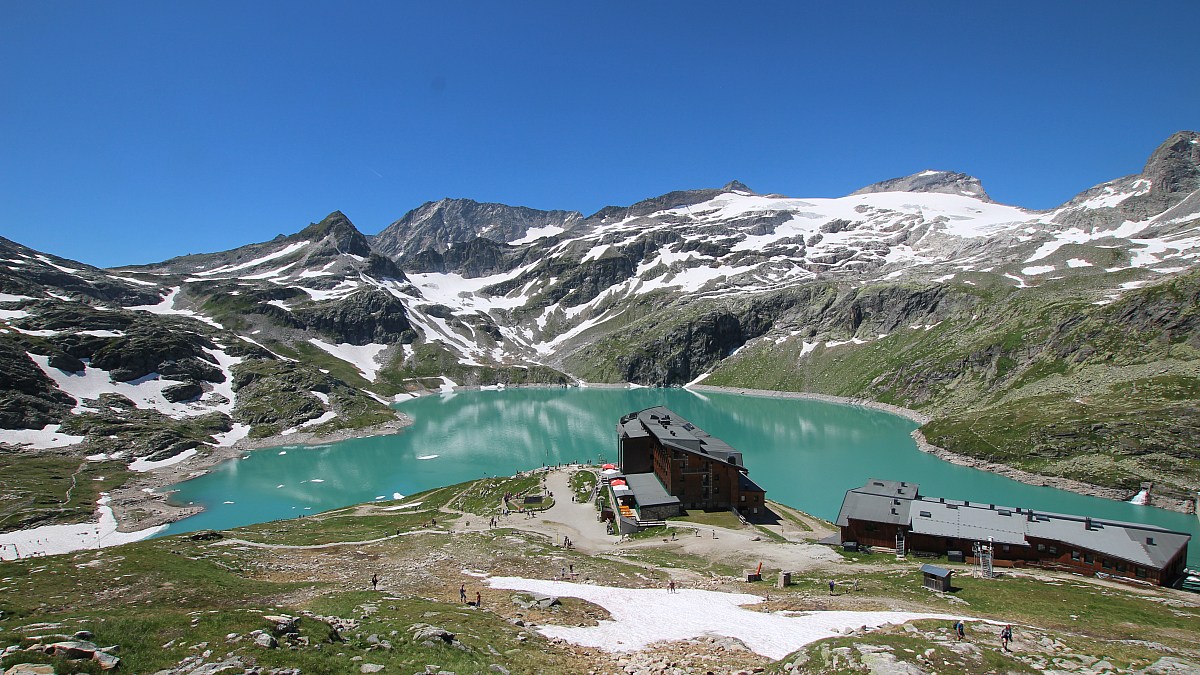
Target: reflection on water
(804, 453)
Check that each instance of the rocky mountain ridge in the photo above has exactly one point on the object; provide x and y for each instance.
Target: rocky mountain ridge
(918, 291)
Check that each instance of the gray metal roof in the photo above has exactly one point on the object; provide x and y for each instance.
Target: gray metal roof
(1128, 541)
(939, 572)
(648, 490)
(957, 519)
(893, 502)
(631, 428)
(874, 507)
(673, 431)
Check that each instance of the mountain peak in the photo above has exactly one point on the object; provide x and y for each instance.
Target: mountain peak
(337, 226)
(930, 180)
(1174, 166)
(736, 186)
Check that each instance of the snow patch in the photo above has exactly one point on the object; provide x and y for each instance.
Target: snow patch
(360, 356)
(643, 616)
(144, 465)
(1037, 269)
(39, 439)
(56, 539)
(291, 248)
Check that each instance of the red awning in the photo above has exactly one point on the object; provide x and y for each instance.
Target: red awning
(608, 466)
(618, 481)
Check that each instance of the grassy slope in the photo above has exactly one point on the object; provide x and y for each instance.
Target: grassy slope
(159, 599)
(1037, 378)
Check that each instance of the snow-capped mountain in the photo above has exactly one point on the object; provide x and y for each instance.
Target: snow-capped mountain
(672, 289)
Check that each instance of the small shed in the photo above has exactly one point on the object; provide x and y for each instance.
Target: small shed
(936, 578)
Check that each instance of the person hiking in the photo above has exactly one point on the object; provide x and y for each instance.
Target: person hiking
(374, 582)
(1006, 636)
(462, 593)
(671, 586)
(478, 599)
(960, 630)
(832, 585)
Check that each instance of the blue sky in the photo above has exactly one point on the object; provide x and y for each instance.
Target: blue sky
(133, 132)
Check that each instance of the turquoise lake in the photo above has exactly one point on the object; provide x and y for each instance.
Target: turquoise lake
(805, 454)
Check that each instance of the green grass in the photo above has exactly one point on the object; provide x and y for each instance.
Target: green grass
(724, 518)
(485, 497)
(582, 483)
(180, 592)
(787, 514)
(47, 489)
(343, 527)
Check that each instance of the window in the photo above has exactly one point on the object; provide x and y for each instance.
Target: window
(1075, 556)
(1120, 567)
(743, 497)
(926, 514)
(1087, 558)
(1041, 548)
(1053, 550)
(1106, 563)
(1004, 512)
(1140, 572)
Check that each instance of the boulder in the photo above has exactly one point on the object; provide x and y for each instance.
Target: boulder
(266, 640)
(283, 624)
(184, 391)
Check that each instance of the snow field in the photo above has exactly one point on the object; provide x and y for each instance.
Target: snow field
(56, 539)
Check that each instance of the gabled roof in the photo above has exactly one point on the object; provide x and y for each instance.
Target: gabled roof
(899, 503)
(875, 505)
(939, 572)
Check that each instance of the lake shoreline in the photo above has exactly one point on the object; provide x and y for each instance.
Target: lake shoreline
(144, 501)
(923, 444)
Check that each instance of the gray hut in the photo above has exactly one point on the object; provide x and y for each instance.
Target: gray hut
(936, 578)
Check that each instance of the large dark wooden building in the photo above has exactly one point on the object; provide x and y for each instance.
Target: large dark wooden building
(701, 471)
(886, 513)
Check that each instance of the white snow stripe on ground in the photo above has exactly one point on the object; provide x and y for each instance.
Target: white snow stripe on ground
(55, 539)
(642, 616)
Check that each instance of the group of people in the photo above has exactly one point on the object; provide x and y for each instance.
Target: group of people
(960, 633)
(462, 596)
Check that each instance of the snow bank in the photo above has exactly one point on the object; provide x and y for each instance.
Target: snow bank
(360, 356)
(56, 539)
(642, 616)
(41, 439)
(144, 465)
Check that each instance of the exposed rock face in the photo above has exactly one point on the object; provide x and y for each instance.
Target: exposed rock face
(945, 182)
(32, 273)
(150, 347)
(28, 399)
(478, 257)
(436, 226)
(364, 317)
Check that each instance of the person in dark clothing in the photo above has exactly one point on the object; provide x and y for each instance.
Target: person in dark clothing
(1006, 636)
(374, 582)
(462, 593)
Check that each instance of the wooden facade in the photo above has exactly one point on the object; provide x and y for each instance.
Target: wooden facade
(701, 470)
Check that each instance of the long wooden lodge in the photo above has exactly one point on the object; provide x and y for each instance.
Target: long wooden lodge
(892, 514)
